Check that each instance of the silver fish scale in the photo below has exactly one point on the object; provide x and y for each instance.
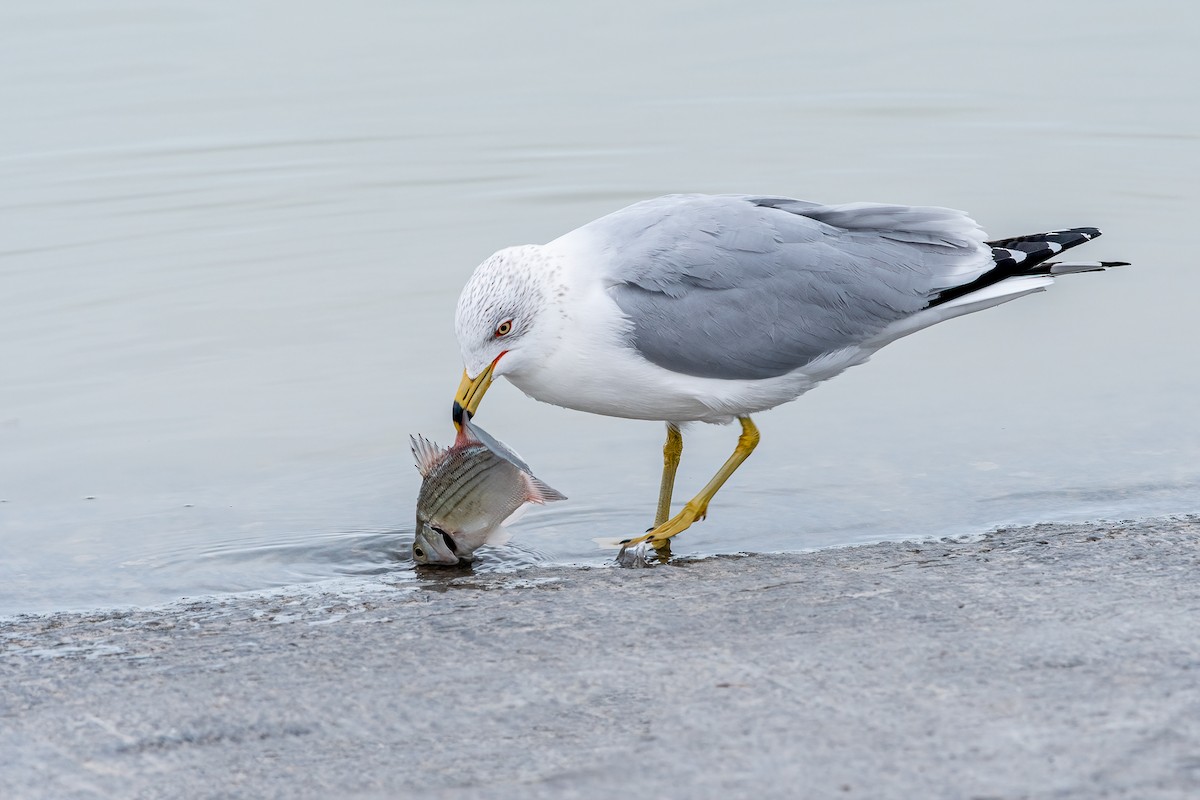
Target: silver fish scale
(461, 475)
(465, 469)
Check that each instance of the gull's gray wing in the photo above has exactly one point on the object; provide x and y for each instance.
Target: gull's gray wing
(734, 286)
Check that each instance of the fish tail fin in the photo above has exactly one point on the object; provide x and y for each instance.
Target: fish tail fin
(540, 492)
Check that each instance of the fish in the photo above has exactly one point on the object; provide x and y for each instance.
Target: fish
(468, 491)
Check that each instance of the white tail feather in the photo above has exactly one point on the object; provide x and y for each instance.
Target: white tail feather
(988, 296)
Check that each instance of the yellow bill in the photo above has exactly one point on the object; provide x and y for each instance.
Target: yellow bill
(470, 392)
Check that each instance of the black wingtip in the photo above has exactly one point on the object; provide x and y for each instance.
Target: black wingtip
(1029, 255)
(1067, 237)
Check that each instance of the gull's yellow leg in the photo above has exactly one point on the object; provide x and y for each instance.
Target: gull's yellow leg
(697, 507)
(672, 450)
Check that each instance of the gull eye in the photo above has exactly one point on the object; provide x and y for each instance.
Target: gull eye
(504, 328)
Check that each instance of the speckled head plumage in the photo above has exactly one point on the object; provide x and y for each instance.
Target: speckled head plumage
(502, 309)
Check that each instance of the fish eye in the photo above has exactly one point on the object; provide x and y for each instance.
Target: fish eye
(418, 552)
(504, 328)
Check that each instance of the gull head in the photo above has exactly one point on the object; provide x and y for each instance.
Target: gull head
(503, 322)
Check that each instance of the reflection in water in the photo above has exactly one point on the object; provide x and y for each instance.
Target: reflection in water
(228, 272)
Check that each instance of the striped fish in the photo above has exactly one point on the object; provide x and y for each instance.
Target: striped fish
(468, 492)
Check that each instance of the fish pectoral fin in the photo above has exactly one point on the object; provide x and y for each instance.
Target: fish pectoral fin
(499, 536)
(539, 492)
(517, 513)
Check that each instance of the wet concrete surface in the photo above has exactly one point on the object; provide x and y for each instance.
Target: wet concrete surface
(1051, 661)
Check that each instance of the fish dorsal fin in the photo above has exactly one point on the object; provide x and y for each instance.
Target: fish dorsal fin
(540, 492)
(426, 453)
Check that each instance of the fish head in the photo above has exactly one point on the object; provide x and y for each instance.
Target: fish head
(434, 545)
(467, 493)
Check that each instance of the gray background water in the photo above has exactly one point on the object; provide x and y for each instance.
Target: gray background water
(232, 236)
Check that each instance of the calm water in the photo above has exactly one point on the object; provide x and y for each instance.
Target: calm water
(233, 234)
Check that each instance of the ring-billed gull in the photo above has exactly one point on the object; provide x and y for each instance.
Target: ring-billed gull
(713, 307)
